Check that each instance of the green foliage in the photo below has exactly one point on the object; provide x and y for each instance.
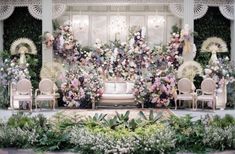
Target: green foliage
(22, 24)
(94, 121)
(20, 120)
(14, 137)
(52, 141)
(4, 98)
(226, 121)
(175, 29)
(219, 138)
(212, 24)
(231, 95)
(189, 134)
(119, 134)
(151, 119)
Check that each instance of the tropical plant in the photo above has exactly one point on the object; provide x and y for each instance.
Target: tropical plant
(152, 118)
(96, 120)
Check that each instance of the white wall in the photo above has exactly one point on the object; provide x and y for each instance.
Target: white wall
(99, 24)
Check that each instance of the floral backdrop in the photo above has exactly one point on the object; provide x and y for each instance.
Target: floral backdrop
(152, 69)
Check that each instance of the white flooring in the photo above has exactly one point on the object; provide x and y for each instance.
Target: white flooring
(196, 114)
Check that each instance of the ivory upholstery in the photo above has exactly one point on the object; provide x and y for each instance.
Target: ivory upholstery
(118, 93)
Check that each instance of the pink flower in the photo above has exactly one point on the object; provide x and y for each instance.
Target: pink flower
(154, 100)
(75, 82)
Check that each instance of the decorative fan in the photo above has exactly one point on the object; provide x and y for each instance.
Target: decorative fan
(189, 70)
(214, 45)
(51, 70)
(23, 46)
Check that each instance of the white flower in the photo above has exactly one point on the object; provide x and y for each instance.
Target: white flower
(208, 71)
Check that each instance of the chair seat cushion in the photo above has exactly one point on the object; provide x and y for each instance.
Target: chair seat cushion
(117, 96)
(184, 97)
(44, 97)
(205, 97)
(22, 97)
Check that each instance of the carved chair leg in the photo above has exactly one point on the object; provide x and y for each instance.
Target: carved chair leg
(53, 105)
(30, 105)
(93, 105)
(175, 104)
(36, 104)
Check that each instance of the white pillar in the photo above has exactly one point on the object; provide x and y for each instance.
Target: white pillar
(189, 13)
(47, 54)
(1, 35)
(233, 37)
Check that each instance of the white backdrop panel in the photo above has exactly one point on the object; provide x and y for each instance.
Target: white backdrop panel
(137, 21)
(99, 28)
(81, 28)
(155, 34)
(115, 29)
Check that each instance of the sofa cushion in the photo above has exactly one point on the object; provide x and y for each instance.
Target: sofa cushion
(130, 87)
(117, 102)
(120, 87)
(109, 88)
(117, 96)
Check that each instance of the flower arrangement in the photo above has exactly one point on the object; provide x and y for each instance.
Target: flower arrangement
(48, 39)
(162, 89)
(64, 45)
(222, 72)
(174, 50)
(94, 87)
(78, 86)
(141, 90)
(12, 72)
(72, 88)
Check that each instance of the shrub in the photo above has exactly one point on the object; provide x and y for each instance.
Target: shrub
(219, 138)
(14, 137)
(189, 133)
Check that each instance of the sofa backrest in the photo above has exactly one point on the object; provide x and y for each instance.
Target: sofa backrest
(120, 87)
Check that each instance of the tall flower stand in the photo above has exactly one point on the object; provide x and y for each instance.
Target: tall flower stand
(221, 97)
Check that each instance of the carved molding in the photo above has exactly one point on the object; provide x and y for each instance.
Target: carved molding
(59, 6)
(117, 2)
(227, 11)
(214, 2)
(35, 11)
(107, 2)
(20, 2)
(178, 10)
(6, 11)
(57, 10)
(199, 10)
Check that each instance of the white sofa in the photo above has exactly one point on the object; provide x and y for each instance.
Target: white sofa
(117, 93)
